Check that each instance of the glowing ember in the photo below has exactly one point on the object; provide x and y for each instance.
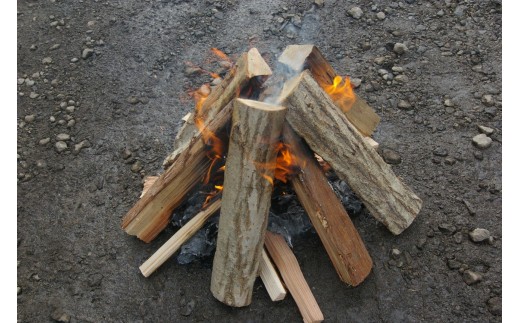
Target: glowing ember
(341, 92)
(220, 54)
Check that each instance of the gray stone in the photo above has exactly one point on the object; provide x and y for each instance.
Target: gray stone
(45, 141)
(450, 160)
(454, 264)
(71, 123)
(488, 100)
(397, 69)
(21, 81)
(47, 60)
(381, 15)
(405, 105)
(355, 12)
(494, 305)
(401, 78)
(319, 3)
(84, 144)
(33, 95)
(400, 48)
(52, 118)
(471, 277)
(87, 52)
(40, 163)
(190, 70)
(485, 130)
(459, 11)
(70, 108)
(63, 137)
(479, 235)
(132, 100)
(29, 118)
(74, 60)
(18, 290)
(478, 155)
(396, 253)
(470, 207)
(482, 141)
(55, 46)
(390, 156)
(356, 82)
(458, 237)
(61, 146)
(188, 309)
(59, 315)
(137, 166)
(29, 82)
(448, 103)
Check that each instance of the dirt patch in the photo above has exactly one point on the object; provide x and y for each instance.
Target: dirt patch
(97, 78)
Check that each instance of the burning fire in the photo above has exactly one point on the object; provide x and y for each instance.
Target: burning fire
(220, 54)
(342, 94)
(286, 164)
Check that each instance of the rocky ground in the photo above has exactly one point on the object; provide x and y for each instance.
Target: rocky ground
(102, 86)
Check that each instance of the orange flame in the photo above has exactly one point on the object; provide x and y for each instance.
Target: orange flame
(220, 54)
(286, 164)
(212, 194)
(341, 94)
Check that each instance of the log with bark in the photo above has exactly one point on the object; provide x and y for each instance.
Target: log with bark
(328, 216)
(313, 115)
(246, 199)
(299, 57)
(292, 275)
(150, 215)
(249, 70)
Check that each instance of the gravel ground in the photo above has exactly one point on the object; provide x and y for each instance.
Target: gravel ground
(99, 80)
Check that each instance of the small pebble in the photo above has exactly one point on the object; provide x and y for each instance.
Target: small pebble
(401, 78)
(29, 118)
(70, 108)
(478, 155)
(55, 46)
(81, 145)
(471, 277)
(494, 305)
(356, 82)
(52, 119)
(400, 48)
(405, 105)
(18, 290)
(59, 315)
(482, 141)
(479, 235)
(63, 137)
(45, 141)
(355, 12)
(381, 15)
(391, 157)
(137, 166)
(21, 81)
(74, 60)
(396, 253)
(448, 103)
(87, 52)
(485, 130)
(61, 146)
(71, 123)
(132, 100)
(33, 95)
(488, 100)
(47, 60)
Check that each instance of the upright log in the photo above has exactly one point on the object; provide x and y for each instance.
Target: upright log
(300, 57)
(313, 115)
(249, 66)
(292, 275)
(150, 215)
(328, 216)
(246, 199)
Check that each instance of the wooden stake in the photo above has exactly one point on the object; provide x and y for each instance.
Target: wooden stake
(246, 199)
(150, 215)
(178, 239)
(332, 223)
(292, 275)
(270, 278)
(249, 66)
(313, 115)
(300, 57)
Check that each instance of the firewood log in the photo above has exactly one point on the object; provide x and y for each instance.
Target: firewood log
(328, 216)
(249, 66)
(300, 57)
(313, 115)
(246, 199)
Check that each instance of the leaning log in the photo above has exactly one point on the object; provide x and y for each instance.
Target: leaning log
(249, 70)
(313, 115)
(299, 57)
(246, 199)
(292, 275)
(340, 238)
(150, 215)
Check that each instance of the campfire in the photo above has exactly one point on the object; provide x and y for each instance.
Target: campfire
(242, 139)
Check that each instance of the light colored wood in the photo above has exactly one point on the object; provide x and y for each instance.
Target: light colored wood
(178, 239)
(292, 275)
(246, 199)
(272, 282)
(150, 215)
(186, 117)
(374, 144)
(300, 57)
(340, 238)
(250, 67)
(313, 115)
(148, 182)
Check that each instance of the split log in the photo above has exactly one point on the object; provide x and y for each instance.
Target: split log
(328, 216)
(313, 115)
(249, 68)
(246, 199)
(150, 215)
(178, 239)
(292, 275)
(300, 57)
(270, 278)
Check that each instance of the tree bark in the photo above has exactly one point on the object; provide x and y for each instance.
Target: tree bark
(249, 66)
(300, 57)
(332, 223)
(313, 115)
(150, 215)
(292, 275)
(246, 199)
